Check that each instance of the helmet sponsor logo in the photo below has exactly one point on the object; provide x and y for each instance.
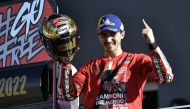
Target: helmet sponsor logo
(63, 29)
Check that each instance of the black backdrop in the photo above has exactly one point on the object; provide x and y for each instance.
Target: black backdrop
(169, 20)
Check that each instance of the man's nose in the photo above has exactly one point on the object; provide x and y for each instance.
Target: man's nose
(108, 38)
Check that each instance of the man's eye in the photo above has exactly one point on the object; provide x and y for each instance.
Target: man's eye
(103, 34)
(112, 33)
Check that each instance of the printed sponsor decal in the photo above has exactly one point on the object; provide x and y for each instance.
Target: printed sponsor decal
(19, 39)
(169, 75)
(63, 29)
(112, 94)
(157, 65)
(67, 84)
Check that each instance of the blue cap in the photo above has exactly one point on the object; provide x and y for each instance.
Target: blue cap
(110, 22)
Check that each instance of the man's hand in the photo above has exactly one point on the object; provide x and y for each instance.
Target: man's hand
(147, 33)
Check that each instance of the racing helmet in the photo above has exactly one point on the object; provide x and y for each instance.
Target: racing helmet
(58, 33)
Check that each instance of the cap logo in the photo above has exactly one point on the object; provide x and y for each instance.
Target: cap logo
(107, 22)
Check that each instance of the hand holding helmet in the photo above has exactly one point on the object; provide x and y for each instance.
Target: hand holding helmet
(58, 34)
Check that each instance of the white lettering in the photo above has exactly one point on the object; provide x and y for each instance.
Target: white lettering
(26, 15)
(15, 48)
(156, 63)
(67, 85)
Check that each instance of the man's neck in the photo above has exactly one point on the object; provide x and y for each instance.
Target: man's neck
(113, 54)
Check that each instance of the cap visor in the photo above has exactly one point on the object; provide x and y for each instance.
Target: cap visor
(109, 28)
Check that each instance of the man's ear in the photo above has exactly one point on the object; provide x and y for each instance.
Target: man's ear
(123, 34)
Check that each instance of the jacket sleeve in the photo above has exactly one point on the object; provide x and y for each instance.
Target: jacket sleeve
(156, 68)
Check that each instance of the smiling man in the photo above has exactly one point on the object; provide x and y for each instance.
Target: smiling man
(117, 79)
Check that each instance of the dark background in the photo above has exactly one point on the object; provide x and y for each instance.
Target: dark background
(169, 20)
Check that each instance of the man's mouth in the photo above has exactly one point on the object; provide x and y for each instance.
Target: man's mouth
(108, 44)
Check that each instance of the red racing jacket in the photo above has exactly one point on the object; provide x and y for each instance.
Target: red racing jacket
(104, 87)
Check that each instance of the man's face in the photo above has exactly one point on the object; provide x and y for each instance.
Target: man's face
(111, 41)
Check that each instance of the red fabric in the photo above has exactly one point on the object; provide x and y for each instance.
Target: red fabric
(130, 79)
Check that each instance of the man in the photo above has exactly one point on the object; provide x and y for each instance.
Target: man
(116, 80)
(58, 33)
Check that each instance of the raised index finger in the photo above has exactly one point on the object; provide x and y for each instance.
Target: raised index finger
(145, 24)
